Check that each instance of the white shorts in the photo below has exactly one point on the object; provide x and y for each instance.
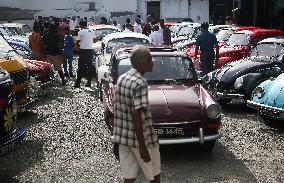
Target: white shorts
(130, 162)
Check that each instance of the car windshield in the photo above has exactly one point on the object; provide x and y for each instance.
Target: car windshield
(104, 32)
(165, 68)
(125, 41)
(239, 39)
(6, 49)
(223, 35)
(16, 31)
(268, 50)
(4, 32)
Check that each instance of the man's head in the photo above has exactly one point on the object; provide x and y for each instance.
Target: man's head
(156, 28)
(36, 28)
(128, 20)
(46, 26)
(83, 24)
(67, 30)
(205, 26)
(141, 59)
(114, 23)
(162, 22)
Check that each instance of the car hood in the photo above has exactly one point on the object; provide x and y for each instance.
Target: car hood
(174, 103)
(231, 49)
(245, 66)
(274, 93)
(183, 44)
(40, 66)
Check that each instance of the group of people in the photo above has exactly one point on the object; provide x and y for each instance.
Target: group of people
(53, 42)
(157, 31)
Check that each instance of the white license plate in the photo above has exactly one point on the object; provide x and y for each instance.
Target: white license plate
(169, 131)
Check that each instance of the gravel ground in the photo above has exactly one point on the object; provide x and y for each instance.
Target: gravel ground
(68, 141)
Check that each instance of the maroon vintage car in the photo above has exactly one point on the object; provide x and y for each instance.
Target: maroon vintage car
(240, 43)
(183, 111)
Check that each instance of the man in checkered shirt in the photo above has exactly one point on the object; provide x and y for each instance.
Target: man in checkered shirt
(132, 128)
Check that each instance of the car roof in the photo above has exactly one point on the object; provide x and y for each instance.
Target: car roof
(278, 40)
(13, 24)
(261, 30)
(118, 35)
(103, 27)
(155, 50)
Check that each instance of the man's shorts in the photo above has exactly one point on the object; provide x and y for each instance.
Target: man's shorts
(130, 162)
(56, 60)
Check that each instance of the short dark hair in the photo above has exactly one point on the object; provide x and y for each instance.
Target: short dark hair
(205, 25)
(83, 24)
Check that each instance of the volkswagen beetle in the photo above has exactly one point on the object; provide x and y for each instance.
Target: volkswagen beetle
(183, 111)
(268, 99)
(238, 79)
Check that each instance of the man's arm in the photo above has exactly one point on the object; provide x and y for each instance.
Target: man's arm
(136, 115)
(217, 54)
(196, 52)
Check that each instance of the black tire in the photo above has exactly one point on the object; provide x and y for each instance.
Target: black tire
(208, 146)
(223, 102)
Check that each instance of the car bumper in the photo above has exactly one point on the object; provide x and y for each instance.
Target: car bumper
(266, 110)
(226, 95)
(30, 104)
(10, 142)
(200, 139)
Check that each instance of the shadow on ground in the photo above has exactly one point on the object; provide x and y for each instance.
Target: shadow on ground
(16, 162)
(185, 163)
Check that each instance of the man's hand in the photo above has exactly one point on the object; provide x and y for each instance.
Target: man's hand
(144, 153)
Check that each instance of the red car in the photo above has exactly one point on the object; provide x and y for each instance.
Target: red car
(240, 43)
(183, 111)
(42, 72)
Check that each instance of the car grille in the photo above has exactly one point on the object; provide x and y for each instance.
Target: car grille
(20, 77)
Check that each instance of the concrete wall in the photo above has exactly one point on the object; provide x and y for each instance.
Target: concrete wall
(198, 10)
(110, 5)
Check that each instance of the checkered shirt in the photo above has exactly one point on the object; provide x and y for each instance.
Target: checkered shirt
(132, 94)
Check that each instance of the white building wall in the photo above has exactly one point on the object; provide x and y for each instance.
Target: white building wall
(110, 5)
(198, 10)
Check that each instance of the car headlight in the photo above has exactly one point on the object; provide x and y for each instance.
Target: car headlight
(259, 92)
(213, 111)
(239, 83)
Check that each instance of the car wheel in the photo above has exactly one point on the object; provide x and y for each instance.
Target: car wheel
(223, 102)
(208, 146)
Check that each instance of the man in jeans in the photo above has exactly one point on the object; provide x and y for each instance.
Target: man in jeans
(86, 38)
(68, 53)
(133, 126)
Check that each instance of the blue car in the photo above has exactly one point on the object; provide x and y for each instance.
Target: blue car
(268, 99)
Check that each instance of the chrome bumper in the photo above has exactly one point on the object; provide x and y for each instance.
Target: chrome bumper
(226, 95)
(201, 139)
(256, 106)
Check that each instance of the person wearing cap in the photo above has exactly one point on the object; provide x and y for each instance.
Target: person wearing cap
(206, 42)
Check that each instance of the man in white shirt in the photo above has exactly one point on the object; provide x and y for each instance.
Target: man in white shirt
(86, 38)
(156, 38)
(137, 25)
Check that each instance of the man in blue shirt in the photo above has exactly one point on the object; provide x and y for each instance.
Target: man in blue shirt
(206, 41)
(68, 52)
